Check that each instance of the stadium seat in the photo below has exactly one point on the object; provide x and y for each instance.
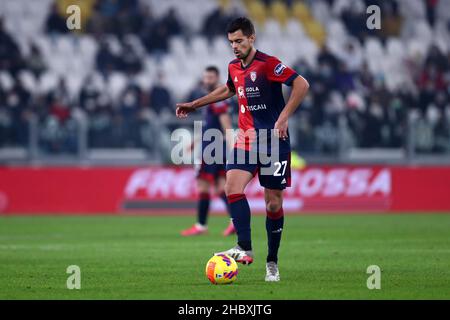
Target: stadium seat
(395, 48)
(321, 11)
(272, 29)
(279, 11)
(224, 4)
(301, 11)
(340, 5)
(144, 80)
(47, 81)
(199, 46)
(221, 49)
(373, 48)
(177, 46)
(6, 80)
(294, 29)
(336, 29)
(423, 30)
(412, 9)
(116, 84)
(74, 83)
(315, 30)
(87, 45)
(64, 45)
(257, 12)
(416, 48)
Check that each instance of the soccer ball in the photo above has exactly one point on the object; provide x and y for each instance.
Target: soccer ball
(221, 269)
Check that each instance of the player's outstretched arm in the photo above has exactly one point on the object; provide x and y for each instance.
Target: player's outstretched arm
(220, 93)
(300, 88)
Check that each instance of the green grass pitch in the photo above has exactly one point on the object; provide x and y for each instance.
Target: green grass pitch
(144, 257)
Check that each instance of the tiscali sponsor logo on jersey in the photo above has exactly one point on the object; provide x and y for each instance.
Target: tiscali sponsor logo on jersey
(253, 76)
(257, 107)
(278, 71)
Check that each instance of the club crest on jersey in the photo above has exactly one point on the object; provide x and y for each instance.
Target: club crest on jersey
(241, 92)
(278, 71)
(253, 76)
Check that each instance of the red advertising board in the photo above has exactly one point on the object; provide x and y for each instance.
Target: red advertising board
(159, 190)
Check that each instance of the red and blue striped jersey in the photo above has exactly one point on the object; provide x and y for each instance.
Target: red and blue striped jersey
(260, 98)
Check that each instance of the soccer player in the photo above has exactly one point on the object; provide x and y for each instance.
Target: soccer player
(256, 78)
(213, 174)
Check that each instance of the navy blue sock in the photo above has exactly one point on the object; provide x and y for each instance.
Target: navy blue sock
(274, 228)
(203, 207)
(223, 196)
(240, 212)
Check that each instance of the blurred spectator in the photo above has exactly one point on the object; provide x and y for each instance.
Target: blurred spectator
(437, 58)
(344, 80)
(106, 60)
(16, 104)
(89, 95)
(354, 19)
(10, 56)
(108, 8)
(55, 23)
(197, 92)
(130, 105)
(351, 57)
(214, 23)
(145, 21)
(102, 131)
(131, 62)
(430, 82)
(325, 56)
(431, 11)
(373, 119)
(61, 93)
(160, 98)
(171, 22)
(59, 129)
(130, 101)
(365, 79)
(35, 61)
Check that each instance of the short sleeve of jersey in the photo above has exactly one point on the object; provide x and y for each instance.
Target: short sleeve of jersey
(219, 107)
(230, 83)
(278, 72)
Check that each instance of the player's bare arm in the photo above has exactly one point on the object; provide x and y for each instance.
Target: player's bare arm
(300, 87)
(220, 93)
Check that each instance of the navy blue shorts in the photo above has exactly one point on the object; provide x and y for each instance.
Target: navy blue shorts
(272, 173)
(210, 172)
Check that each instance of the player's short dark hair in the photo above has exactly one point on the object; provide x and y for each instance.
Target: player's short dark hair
(212, 69)
(244, 24)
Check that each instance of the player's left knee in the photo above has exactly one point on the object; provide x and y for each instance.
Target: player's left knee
(273, 205)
